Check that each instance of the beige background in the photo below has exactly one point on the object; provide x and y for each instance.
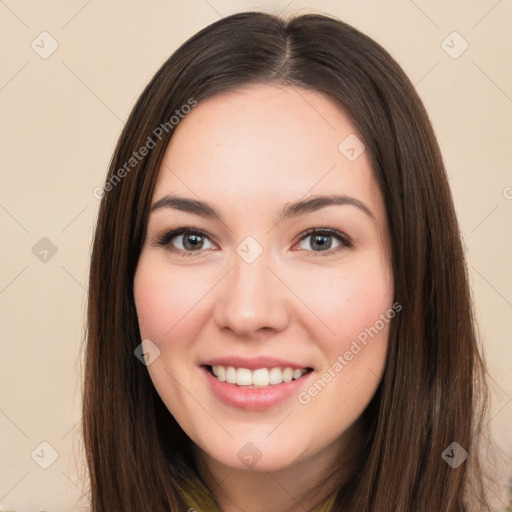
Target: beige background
(61, 116)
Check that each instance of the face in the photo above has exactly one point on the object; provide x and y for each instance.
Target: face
(288, 305)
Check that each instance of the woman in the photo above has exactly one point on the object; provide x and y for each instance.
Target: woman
(279, 312)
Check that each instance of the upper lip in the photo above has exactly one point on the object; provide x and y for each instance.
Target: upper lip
(254, 363)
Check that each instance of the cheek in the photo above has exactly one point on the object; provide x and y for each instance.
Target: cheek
(356, 305)
(345, 302)
(166, 304)
(164, 299)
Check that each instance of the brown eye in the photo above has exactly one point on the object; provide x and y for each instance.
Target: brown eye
(324, 241)
(184, 240)
(192, 241)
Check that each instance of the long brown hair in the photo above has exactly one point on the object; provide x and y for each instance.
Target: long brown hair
(434, 389)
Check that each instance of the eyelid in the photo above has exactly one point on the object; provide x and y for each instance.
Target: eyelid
(164, 239)
(344, 239)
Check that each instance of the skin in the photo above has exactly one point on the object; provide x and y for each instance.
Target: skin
(249, 153)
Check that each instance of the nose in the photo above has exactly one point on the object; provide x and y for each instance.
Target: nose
(252, 300)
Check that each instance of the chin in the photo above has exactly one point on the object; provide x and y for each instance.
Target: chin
(258, 456)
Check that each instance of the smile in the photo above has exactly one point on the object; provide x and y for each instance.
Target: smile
(258, 389)
(258, 378)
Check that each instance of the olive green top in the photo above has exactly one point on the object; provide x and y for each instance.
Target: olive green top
(200, 499)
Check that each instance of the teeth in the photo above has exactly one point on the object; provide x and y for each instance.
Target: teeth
(231, 375)
(297, 374)
(221, 373)
(244, 377)
(288, 374)
(262, 377)
(276, 376)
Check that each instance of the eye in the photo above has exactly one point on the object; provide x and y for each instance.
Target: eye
(321, 241)
(192, 242)
(184, 241)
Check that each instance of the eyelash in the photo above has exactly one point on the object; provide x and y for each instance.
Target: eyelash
(165, 240)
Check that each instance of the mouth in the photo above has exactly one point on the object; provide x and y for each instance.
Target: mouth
(255, 383)
(259, 378)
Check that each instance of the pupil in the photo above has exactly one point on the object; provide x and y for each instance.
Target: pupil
(321, 243)
(192, 241)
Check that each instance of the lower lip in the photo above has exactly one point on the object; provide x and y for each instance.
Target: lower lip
(254, 399)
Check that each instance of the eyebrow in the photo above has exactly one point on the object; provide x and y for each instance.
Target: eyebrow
(290, 210)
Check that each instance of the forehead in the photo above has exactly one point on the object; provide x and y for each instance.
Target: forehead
(265, 144)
